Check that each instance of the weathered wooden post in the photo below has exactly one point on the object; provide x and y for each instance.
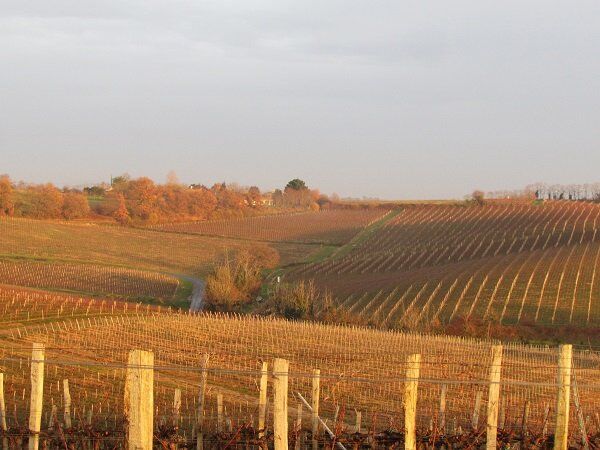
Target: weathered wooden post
(525, 418)
(298, 430)
(67, 404)
(358, 426)
(442, 413)
(176, 407)
(3, 413)
(37, 395)
(201, 404)
(52, 418)
(219, 412)
(476, 410)
(315, 400)
(410, 401)
(139, 399)
(561, 432)
(280, 403)
(262, 399)
(493, 398)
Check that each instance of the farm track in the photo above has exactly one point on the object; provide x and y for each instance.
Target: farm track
(197, 297)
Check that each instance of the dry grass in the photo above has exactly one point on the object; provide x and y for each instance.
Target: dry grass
(114, 245)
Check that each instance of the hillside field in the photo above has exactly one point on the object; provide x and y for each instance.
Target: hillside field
(87, 341)
(509, 263)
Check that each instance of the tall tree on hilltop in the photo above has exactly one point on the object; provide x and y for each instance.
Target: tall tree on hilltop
(121, 214)
(7, 205)
(296, 184)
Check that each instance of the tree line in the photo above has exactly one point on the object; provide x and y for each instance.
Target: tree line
(140, 200)
(545, 191)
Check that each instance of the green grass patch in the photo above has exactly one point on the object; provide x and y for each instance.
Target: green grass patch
(326, 251)
(363, 235)
(182, 295)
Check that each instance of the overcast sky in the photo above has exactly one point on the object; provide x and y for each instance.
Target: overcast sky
(394, 99)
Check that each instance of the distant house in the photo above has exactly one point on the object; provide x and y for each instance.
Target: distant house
(266, 199)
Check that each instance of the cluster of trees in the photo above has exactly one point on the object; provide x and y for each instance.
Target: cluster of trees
(543, 191)
(43, 201)
(296, 194)
(141, 200)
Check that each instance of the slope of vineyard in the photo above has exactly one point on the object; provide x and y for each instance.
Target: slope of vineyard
(89, 278)
(508, 262)
(332, 227)
(88, 340)
(114, 245)
(23, 306)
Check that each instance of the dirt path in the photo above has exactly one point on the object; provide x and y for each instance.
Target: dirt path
(197, 296)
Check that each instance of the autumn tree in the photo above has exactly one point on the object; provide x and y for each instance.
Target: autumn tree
(120, 180)
(142, 198)
(46, 202)
(75, 206)
(478, 197)
(7, 205)
(277, 198)
(202, 202)
(254, 195)
(121, 214)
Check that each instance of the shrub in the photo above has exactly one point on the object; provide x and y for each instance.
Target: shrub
(234, 282)
(302, 300)
(75, 206)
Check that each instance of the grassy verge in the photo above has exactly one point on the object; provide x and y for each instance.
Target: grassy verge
(363, 235)
(182, 295)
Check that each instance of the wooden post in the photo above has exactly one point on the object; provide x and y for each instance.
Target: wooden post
(442, 414)
(3, 413)
(2, 405)
(493, 398)
(37, 395)
(476, 409)
(176, 406)
(262, 400)
(280, 403)
(67, 404)
(52, 419)
(561, 433)
(525, 418)
(139, 399)
(315, 401)
(201, 404)
(219, 412)
(410, 401)
(298, 427)
(358, 426)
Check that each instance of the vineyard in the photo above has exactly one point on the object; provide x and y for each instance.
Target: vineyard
(95, 279)
(508, 262)
(114, 245)
(332, 227)
(362, 379)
